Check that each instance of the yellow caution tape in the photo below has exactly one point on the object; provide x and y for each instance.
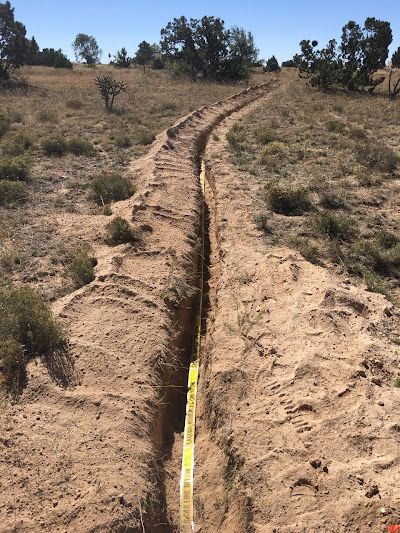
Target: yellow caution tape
(186, 485)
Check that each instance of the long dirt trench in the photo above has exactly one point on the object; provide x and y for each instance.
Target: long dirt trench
(92, 443)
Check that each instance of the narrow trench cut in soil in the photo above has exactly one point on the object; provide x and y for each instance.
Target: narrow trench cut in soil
(167, 518)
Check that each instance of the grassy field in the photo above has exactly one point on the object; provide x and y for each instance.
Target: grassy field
(325, 169)
(59, 135)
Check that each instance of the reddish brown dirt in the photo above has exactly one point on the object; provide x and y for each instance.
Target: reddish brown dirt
(83, 448)
(298, 427)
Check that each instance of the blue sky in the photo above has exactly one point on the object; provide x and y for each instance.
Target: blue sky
(278, 25)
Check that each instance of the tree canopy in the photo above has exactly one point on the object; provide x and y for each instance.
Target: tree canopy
(396, 58)
(352, 64)
(145, 53)
(86, 49)
(13, 47)
(203, 47)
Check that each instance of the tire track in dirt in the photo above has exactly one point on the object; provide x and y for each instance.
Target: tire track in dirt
(90, 456)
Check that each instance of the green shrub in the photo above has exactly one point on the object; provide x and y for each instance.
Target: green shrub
(119, 231)
(288, 200)
(123, 140)
(145, 137)
(236, 136)
(265, 135)
(4, 125)
(79, 267)
(386, 239)
(16, 145)
(108, 188)
(79, 146)
(396, 382)
(74, 104)
(376, 155)
(336, 226)
(27, 330)
(14, 169)
(12, 192)
(56, 146)
(375, 283)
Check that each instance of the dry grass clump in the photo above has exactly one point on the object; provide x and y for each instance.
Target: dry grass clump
(262, 223)
(78, 146)
(79, 266)
(74, 103)
(56, 146)
(332, 199)
(273, 152)
(12, 192)
(46, 115)
(123, 140)
(336, 226)
(236, 136)
(16, 144)
(119, 231)
(378, 156)
(27, 330)
(289, 201)
(111, 187)
(145, 137)
(14, 168)
(307, 249)
(336, 126)
(265, 135)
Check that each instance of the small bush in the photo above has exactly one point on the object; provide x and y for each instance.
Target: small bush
(289, 201)
(375, 283)
(16, 145)
(145, 137)
(74, 104)
(265, 135)
(79, 267)
(261, 221)
(396, 382)
(377, 156)
(4, 125)
(27, 330)
(14, 169)
(12, 192)
(336, 126)
(336, 226)
(384, 261)
(108, 188)
(79, 146)
(273, 150)
(236, 136)
(386, 239)
(123, 140)
(56, 146)
(119, 231)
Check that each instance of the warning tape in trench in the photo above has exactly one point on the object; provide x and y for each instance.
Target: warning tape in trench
(186, 484)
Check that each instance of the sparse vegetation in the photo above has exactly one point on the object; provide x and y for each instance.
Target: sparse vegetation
(145, 137)
(27, 330)
(377, 155)
(119, 231)
(265, 135)
(74, 103)
(122, 140)
(4, 125)
(273, 151)
(111, 187)
(262, 223)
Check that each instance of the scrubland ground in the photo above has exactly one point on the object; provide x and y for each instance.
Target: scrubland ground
(298, 401)
(66, 104)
